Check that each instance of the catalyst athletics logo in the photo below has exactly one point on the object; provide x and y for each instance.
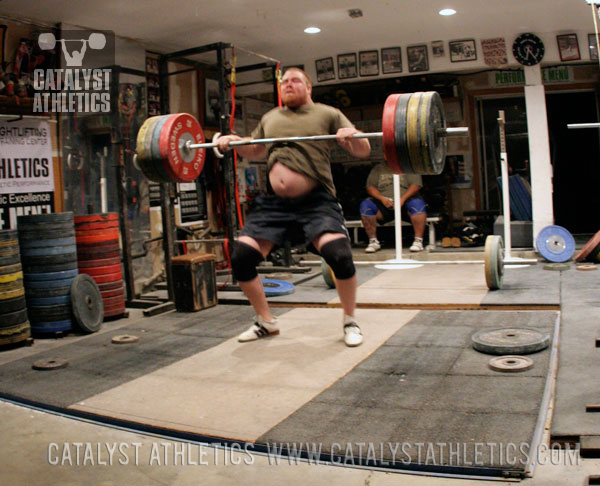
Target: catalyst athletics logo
(82, 82)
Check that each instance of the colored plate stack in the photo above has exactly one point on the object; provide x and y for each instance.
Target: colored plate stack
(49, 259)
(14, 326)
(99, 255)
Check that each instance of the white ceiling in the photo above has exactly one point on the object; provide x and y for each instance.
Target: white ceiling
(275, 27)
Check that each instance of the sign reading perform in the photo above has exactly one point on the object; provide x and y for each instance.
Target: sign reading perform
(26, 175)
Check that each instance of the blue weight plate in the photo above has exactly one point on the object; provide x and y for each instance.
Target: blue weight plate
(59, 299)
(555, 244)
(37, 277)
(274, 288)
(48, 284)
(52, 326)
(51, 251)
(41, 243)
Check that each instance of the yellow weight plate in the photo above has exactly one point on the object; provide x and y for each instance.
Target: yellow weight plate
(11, 277)
(11, 294)
(412, 132)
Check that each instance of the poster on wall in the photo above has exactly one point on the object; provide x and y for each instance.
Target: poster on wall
(26, 175)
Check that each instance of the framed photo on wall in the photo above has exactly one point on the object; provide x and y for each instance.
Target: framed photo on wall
(347, 66)
(463, 50)
(368, 63)
(325, 70)
(391, 60)
(568, 47)
(418, 59)
(593, 47)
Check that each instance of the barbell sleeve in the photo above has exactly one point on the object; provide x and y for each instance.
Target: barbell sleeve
(583, 125)
(444, 132)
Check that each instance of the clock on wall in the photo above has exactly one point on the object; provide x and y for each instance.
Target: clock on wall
(528, 49)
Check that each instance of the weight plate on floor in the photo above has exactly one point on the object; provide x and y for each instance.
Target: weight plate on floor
(389, 143)
(40, 301)
(47, 284)
(102, 262)
(124, 339)
(14, 285)
(274, 288)
(117, 284)
(557, 266)
(11, 294)
(106, 278)
(96, 218)
(15, 334)
(6, 269)
(114, 311)
(42, 276)
(10, 259)
(11, 277)
(47, 327)
(50, 218)
(44, 292)
(43, 260)
(11, 305)
(87, 304)
(590, 246)
(586, 267)
(50, 364)
(555, 244)
(105, 270)
(118, 292)
(43, 233)
(44, 243)
(58, 267)
(494, 262)
(328, 275)
(510, 364)
(9, 234)
(13, 318)
(510, 341)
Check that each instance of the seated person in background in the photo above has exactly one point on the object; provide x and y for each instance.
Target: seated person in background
(379, 206)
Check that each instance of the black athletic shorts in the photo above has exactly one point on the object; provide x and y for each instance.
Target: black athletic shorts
(276, 219)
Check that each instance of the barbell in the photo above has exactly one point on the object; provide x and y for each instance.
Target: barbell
(47, 41)
(172, 148)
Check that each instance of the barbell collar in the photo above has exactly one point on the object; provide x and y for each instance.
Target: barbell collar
(443, 132)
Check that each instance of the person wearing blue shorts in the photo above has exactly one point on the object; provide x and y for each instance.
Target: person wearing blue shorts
(378, 208)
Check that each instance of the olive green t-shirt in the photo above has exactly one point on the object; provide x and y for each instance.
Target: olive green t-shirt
(309, 158)
(382, 178)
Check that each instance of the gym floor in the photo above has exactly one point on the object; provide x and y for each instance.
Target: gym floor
(414, 392)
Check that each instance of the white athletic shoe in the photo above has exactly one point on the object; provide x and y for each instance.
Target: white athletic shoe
(352, 334)
(259, 329)
(374, 246)
(416, 246)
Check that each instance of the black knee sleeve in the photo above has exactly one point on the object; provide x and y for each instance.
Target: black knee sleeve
(244, 261)
(338, 255)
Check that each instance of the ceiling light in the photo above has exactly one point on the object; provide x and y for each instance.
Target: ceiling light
(312, 30)
(447, 11)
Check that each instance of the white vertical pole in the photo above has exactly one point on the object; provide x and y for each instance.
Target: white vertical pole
(397, 218)
(505, 186)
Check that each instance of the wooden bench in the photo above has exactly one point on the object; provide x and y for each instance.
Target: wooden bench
(431, 220)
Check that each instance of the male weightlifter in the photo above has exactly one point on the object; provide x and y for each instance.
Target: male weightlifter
(301, 193)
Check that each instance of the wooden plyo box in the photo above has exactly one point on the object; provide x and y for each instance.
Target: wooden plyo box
(195, 281)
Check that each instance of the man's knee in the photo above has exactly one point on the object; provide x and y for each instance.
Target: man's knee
(368, 208)
(338, 255)
(244, 261)
(416, 206)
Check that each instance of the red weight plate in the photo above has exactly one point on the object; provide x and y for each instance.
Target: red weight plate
(389, 140)
(120, 292)
(102, 262)
(111, 285)
(111, 277)
(114, 232)
(180, 164)
(89, 240)
(113, 301)
(588, 248)
(106, 270)
(104, 225)
(93, 257)
(95, 218)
